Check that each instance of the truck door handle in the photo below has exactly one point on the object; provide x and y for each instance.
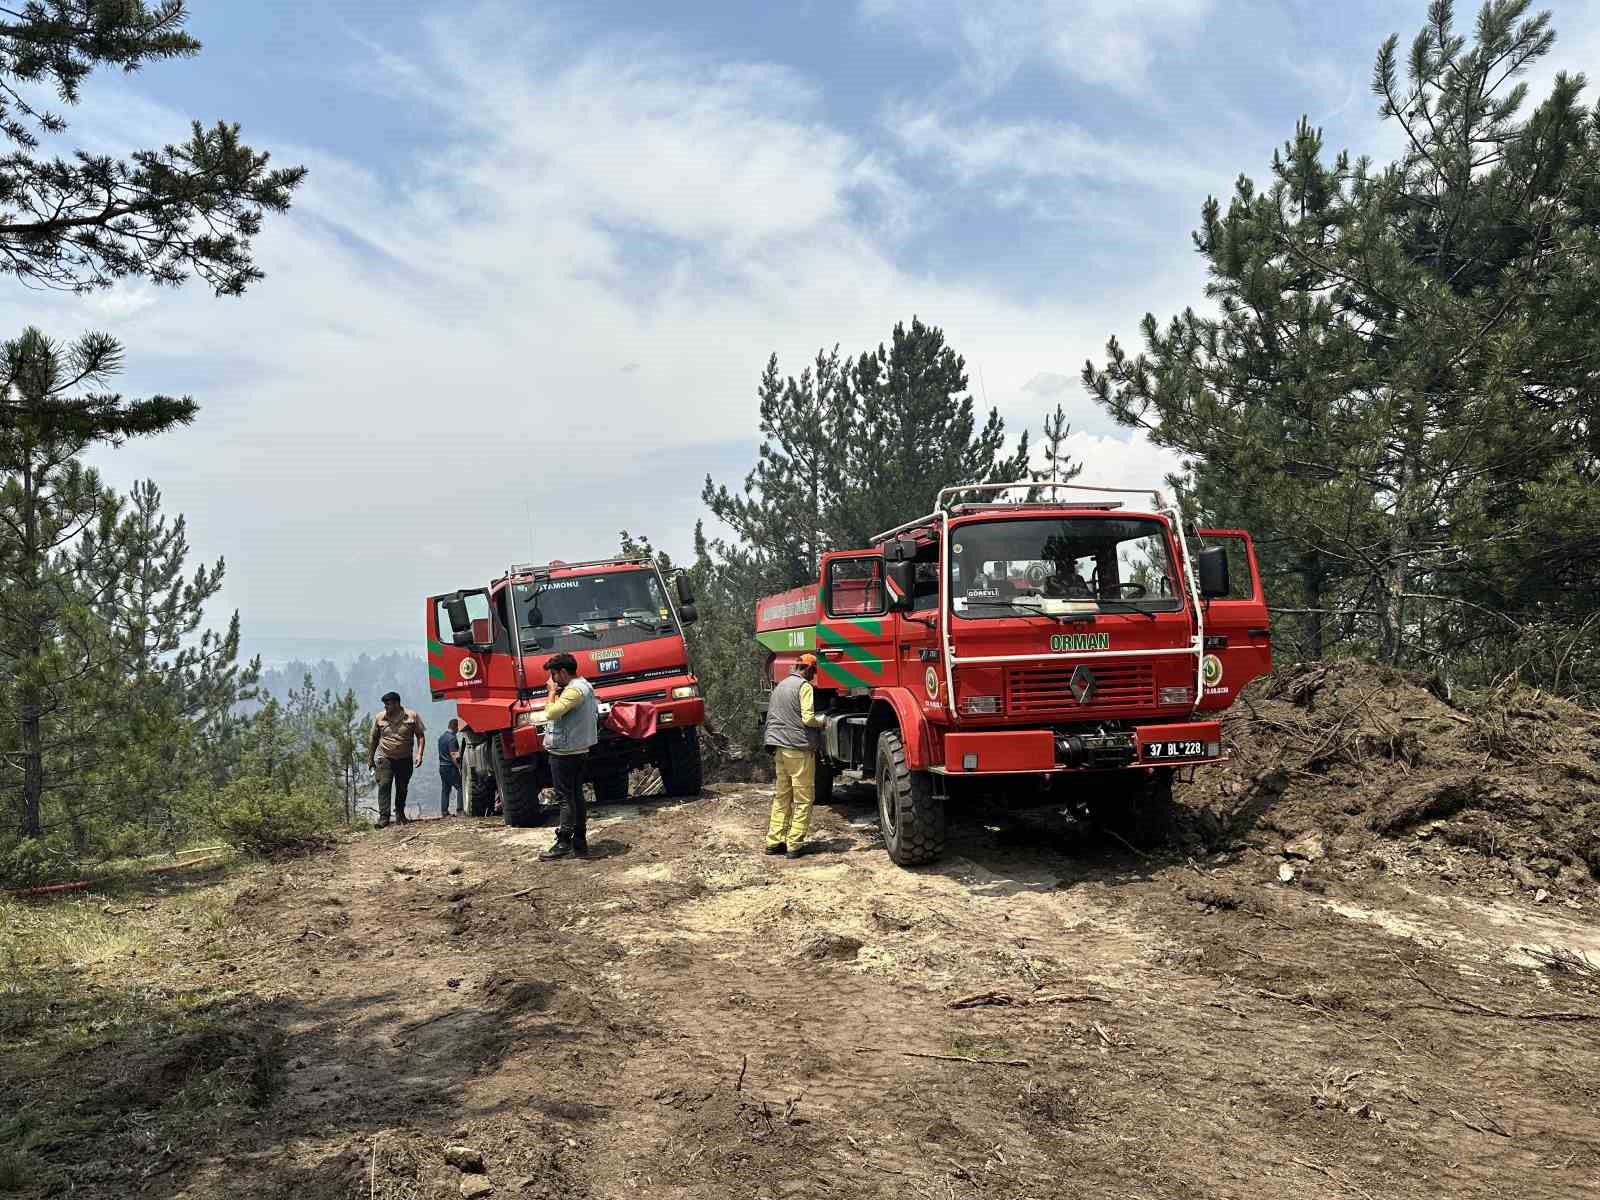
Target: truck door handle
(833, 654)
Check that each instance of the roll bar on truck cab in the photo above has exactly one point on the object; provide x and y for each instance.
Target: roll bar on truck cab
(624, 625)
(1062, 652)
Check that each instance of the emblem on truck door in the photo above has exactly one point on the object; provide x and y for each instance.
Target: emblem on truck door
(930, 680)
(469, 668)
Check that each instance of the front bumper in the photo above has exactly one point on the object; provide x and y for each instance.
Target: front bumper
(1045, 751)
(670, 714)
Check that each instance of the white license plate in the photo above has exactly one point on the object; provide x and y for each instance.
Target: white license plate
(1163, 751)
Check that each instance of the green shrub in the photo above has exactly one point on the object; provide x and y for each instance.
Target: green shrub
(256, 814)
(33, 862)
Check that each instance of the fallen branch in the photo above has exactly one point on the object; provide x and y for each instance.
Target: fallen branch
(1498, 1132)
(993, 1062)
(50, 889)
(1107, 1038)
(1322, 1170)
(1113, 833)
(1471, 1006)
(743, 1066)
(1558, 959)
(1006, 999)
(408, 841)
(511, 895)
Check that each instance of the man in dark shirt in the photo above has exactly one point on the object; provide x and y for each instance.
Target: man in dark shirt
(449, 768)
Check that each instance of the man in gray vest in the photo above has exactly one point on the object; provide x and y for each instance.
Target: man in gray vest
(573, 717)
(792, 723)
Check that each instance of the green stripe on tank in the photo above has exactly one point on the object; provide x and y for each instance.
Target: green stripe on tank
(789, 639)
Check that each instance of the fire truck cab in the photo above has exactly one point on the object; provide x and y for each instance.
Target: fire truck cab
(1068, 652)
(487, 648)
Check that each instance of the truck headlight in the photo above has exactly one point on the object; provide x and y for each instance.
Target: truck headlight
(687, 692)
(980, 705)
(531, 717)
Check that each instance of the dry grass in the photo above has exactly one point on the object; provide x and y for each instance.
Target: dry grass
(136, 990)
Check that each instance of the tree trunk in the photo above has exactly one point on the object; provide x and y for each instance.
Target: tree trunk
(32, 772)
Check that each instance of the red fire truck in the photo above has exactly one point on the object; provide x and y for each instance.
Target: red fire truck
(1073, 652)
(619, 619)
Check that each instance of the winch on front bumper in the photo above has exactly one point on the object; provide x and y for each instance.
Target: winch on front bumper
(1081, 748)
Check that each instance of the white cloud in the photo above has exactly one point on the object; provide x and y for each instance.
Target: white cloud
(1000, 154)
(555, 318)
(1106, 42)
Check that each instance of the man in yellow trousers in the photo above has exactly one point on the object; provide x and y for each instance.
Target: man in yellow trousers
(792, 723)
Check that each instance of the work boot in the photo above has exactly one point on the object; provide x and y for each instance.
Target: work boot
(383, 824)
(580, 847)
(777, 848)
(561, 849)
(402, 819)
(797, 850)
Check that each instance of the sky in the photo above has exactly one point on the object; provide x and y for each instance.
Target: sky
(544, 251)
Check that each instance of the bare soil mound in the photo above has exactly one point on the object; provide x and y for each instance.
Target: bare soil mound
(1349, 759)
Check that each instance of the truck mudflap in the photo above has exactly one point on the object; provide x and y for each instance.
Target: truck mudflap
(1042, 751)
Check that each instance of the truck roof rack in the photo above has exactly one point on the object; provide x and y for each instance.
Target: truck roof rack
(614, 561)
(943, 505)
(974, 506)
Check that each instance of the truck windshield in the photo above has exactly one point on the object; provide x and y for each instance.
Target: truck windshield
(585, 611)
(1117, 563)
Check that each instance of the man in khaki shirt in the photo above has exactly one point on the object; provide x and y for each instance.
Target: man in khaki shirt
(394, 751)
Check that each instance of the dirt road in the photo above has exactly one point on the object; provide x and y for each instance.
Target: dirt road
(1040, 1015)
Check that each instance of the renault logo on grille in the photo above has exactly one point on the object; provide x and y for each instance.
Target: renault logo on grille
(1082, 684)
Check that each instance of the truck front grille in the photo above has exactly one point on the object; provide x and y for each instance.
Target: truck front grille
(1047, 691)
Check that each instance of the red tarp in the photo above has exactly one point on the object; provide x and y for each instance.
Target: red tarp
(634, 719)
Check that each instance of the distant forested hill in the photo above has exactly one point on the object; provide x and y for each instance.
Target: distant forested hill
(370, 676)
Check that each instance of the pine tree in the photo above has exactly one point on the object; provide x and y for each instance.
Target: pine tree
(86, 221)
(1398, 389)
(1058, 464)
(913, 431)
(171, 686)
(787, 513)
(50, 642)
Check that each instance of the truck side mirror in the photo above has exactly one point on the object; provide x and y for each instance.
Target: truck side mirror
(688, 614)
(903, 581)
(1213, 566)
(685, 590)
(900, 550)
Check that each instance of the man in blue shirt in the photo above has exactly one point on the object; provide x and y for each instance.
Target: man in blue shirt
(449, 768)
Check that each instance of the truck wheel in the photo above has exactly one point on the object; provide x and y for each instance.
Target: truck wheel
(519, 791)
(682, 772)
(911, 816)
(480, 799)
(611, 787)
(824, 781)
(1141, 814)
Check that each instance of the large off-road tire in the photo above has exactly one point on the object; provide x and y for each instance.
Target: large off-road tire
(911, 816)
(824, 781)
(480, 798)
(1143, 813)
(519, 791)
(611, 786)
(682, 772)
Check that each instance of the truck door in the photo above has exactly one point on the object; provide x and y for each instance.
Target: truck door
(454, 667)
(1238, 631)
(855, 639)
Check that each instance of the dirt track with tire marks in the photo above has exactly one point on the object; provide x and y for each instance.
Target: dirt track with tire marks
(1039, 1014)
